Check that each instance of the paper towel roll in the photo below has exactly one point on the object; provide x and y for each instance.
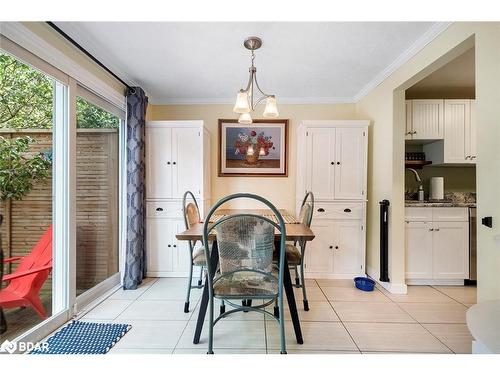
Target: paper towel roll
(437, 188)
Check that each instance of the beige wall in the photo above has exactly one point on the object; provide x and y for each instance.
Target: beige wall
(280, 190)
(385, 106)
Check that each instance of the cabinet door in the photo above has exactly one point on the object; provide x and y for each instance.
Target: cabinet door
(349, 163)
(427, 119)
(187, 161)
(320, 156)
(158, 163)
(472, 143)
(347, 248)
(159, 235)
(418, 250)
(456, 131)
(450, 250)
(408, 127)
(180, 249)
(319, 252)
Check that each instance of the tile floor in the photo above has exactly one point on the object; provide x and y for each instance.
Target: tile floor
(341, 319)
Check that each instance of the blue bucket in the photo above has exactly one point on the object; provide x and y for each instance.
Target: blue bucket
(364, 284)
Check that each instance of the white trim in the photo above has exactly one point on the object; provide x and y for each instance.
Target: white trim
(230, 101)
(175, 124)
(335, 123)
(21, 35)
(435, 30)
(393, 288)
(434, 282)
(122, 202)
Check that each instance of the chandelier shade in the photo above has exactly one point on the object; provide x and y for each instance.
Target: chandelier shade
(245, 119)
(271, 109)
(242, 105)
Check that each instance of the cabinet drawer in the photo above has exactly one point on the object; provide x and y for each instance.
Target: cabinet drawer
(164, 209)
(450, 214)
(418, 214)
(338, 211)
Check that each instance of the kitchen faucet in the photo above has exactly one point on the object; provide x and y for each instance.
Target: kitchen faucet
(420, 187)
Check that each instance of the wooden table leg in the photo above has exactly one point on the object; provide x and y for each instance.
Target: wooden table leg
(214, 261)
(287, 285)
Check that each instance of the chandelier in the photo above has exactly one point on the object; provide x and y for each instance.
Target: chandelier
(246, 101)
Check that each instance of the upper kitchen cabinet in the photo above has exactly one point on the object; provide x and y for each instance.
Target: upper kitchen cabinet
(459, 143)
(177, 159)
(426, 121)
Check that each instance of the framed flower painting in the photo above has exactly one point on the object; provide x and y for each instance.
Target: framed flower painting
(259, 149)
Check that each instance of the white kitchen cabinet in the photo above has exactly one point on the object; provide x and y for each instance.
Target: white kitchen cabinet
(437, 251)
(427, 120)
(350, 160)
(177, 160)
(418, 250)
(347, 248)
(449, 250)
(408, 127)
(332, 163)
(336, 250)
(177, 157)
(320, 154)
(459, 143)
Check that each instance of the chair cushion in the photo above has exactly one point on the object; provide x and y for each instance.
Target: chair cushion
(246, 283)
(199, 257)
(292, 254)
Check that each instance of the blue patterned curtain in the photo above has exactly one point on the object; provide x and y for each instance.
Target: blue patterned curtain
(135, 260)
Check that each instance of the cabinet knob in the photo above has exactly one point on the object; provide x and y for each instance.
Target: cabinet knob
(336, 247)
(175, 245)
(431, 230)
(473, 157)
(467, 156)
(436, 229)
(338, 163)
(169, 245)
(331, 247)
(159, 209)
(414, 132)
(321, 209)
(347, 210)
(332, 163)
(168, 162)
(174, 163)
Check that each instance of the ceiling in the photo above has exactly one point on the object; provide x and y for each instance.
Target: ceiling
(452, 81)
(200, 62)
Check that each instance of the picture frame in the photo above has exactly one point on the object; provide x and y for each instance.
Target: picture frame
(256, 150)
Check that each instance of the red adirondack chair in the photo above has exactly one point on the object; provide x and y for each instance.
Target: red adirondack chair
(25, 282)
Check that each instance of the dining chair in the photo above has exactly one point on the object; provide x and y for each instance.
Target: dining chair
(245, 244)
(191, 215)
(295, 255)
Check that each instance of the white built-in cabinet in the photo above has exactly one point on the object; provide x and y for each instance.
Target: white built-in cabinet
(332, 163)
(447, 127)
(177, 160)
(437, 245)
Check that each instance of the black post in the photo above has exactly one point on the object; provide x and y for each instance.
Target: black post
(3, 323)
(384, 240)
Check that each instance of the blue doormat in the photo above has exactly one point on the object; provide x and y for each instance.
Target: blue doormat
(83, 338)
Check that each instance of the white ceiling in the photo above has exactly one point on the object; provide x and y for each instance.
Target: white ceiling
(299, 62)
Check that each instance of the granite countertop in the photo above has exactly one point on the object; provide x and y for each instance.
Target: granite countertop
(450, 200)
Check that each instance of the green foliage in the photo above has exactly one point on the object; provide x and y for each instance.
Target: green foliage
(91, 116)
(20, 170)
(26, 100)
(25, 96)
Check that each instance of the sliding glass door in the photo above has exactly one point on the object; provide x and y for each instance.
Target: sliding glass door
(33, 107)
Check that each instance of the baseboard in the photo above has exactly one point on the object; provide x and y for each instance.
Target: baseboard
(393, 288)
(320, 275)
(434, 282)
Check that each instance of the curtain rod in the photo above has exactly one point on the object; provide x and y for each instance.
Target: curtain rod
(77, 45)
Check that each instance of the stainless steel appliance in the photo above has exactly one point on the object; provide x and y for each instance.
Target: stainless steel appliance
(472, 244)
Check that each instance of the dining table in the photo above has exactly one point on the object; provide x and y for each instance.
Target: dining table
(295, 231)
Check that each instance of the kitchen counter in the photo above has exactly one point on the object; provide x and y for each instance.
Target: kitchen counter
(412, 203)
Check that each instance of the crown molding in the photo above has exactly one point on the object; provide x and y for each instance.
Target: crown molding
(416, 47)
(230, 101)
